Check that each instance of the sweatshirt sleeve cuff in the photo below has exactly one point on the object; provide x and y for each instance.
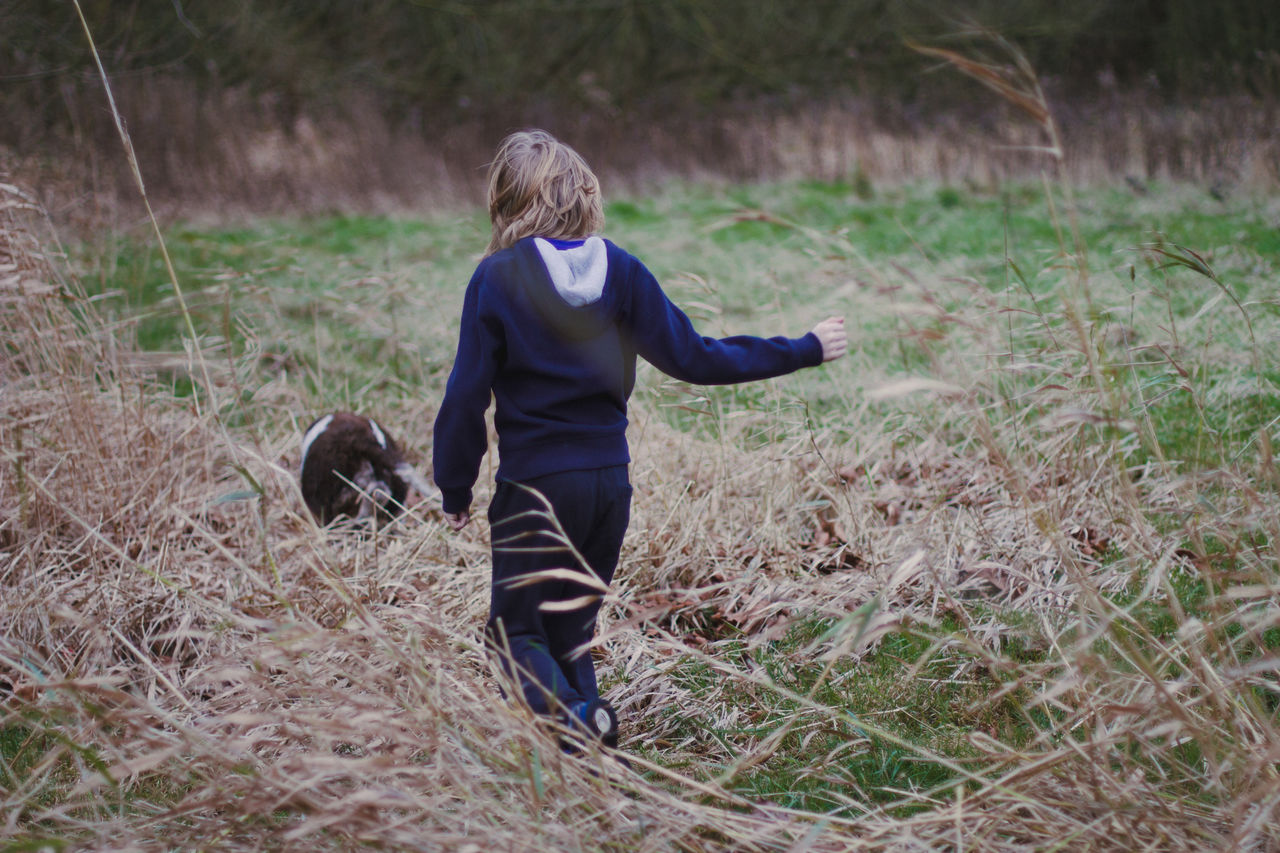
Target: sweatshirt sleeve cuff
(456, 501)
(810, 350)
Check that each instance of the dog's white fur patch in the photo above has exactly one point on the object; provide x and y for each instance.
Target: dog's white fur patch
(314, 433)
(377, 433)
(406, 472)
(373, 493)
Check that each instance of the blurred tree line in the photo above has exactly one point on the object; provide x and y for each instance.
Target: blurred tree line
(463, 55)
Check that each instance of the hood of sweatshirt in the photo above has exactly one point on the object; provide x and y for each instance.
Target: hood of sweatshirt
(570, 295)
(577, 272)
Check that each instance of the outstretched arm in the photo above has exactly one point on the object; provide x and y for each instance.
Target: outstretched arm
(665, 337)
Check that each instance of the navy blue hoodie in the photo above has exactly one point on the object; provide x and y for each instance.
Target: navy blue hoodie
(553, 329)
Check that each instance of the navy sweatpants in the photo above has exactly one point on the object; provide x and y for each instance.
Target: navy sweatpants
(593, 508)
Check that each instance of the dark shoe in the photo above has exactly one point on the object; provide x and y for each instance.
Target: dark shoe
(597, 719)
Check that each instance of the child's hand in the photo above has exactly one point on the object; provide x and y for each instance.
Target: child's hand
(831, 333)
(457, 520)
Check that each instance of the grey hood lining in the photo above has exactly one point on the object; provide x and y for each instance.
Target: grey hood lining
(578, 273)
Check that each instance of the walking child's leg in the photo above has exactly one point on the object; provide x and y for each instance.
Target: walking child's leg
(597, 532)
(549, 648)
(516, 621)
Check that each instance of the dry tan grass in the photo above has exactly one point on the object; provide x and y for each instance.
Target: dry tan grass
(196, 665)
(191, 663)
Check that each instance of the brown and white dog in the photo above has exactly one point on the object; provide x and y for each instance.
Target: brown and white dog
(352, 468)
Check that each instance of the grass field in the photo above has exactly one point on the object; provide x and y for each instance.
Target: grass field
(1004, 578)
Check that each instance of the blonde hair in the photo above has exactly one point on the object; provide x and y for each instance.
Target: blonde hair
(540, 187)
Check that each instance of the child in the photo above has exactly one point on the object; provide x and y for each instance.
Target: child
(552, 322)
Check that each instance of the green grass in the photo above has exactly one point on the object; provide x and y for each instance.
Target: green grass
(350, 307)
(26, 750)
(20, 749)
(759, 254)
(896, 720)
(44, 763)
(331, 301)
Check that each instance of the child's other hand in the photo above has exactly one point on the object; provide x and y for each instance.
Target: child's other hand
(457, 520)
(834, 339)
